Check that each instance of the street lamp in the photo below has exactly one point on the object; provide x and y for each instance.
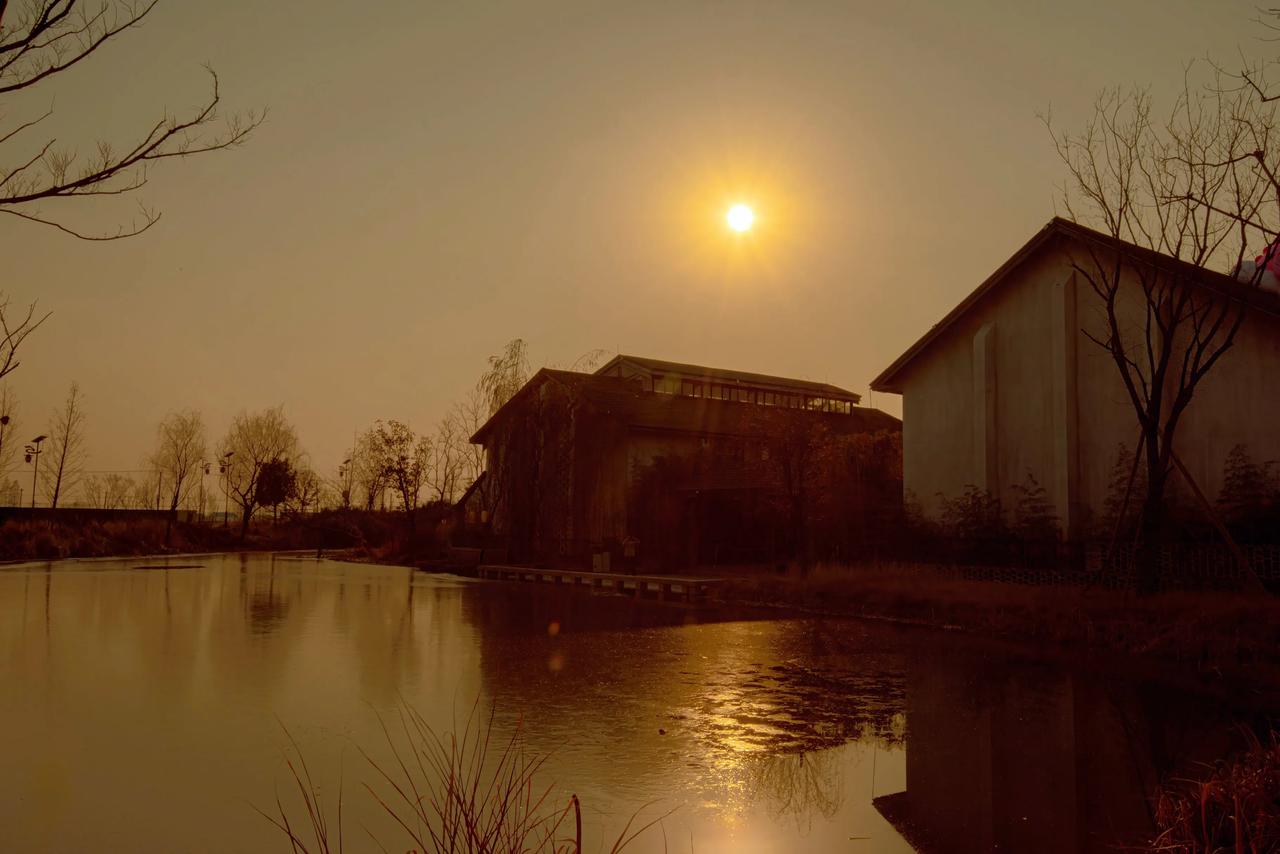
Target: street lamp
(33, 453)
(224, 469)
(343, 471)
(4, 422)
(204, 472)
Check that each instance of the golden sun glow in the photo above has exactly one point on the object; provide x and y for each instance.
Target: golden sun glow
(740, 218)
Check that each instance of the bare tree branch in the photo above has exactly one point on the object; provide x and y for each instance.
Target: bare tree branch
(46, 37)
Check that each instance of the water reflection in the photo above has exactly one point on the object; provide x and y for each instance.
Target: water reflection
(1027, 758)
(145, 709)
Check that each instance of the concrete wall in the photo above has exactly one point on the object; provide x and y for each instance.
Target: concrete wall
(987, 380)
(1015, 387)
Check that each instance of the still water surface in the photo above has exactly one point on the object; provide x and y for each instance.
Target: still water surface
(142, 710)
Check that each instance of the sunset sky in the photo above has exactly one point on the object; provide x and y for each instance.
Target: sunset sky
(435, 179)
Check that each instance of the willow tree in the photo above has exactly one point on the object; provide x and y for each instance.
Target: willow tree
(507, 373)
(1184, 199)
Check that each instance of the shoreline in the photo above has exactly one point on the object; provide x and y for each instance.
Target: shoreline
(1209, 639)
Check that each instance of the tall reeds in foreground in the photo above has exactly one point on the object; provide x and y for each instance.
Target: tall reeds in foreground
(462, 794)
(1234, 810)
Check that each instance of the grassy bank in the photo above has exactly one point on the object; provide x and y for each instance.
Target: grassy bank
(361, 534)
(1210, 630)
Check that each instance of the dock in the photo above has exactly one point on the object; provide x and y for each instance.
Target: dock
(662, 587)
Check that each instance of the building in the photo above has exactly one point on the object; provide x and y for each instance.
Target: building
(569, 455)
(1010, 383)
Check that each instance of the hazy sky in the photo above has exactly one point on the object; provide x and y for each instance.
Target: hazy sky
(435, 179)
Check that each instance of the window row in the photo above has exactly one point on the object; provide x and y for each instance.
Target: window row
(746, 394)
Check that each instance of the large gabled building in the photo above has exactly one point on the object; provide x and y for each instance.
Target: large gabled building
(565, 454)
(1011, 382)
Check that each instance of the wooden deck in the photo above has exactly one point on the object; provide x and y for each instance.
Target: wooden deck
(662, 587)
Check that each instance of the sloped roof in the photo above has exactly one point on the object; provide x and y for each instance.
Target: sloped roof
(725, 375)
(888, 380)
(626, 401)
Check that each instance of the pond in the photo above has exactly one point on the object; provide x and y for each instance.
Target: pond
(148, 706)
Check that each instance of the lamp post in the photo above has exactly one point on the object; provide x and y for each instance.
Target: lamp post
(204, 472)
(33, 453)
(224, 469)
(4, 422)
(343, 470)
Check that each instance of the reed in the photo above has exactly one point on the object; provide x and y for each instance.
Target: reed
(1234, 809)
(463, 792)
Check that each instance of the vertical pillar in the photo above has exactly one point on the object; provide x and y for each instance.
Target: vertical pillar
(1066, 476)
(985, 445)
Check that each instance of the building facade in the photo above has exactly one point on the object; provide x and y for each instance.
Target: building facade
(1011, 384)
(568, 455)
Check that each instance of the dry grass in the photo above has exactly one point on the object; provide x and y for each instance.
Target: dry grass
(457, 793)
(1236, 808)
(1210, 628)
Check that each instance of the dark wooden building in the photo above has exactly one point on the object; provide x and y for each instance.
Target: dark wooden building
(645, 452)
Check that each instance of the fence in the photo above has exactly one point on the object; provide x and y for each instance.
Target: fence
(83, 515)
(1181, 567)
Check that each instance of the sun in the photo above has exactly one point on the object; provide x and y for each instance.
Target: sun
(740, 218)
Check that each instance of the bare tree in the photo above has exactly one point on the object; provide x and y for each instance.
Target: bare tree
(368, 475)
(39, 39)
(307, 489)
(9, 424)
(144, 493)
(107, 491)
(66, 447)
(93, 491)
(404, 458)
(470, 415)
(1193, 187)
(254, 441)
(179, 457)
(116, 491)
(444, 468)
(15, 326)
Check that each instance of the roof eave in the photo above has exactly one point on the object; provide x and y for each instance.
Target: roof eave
(888, 380)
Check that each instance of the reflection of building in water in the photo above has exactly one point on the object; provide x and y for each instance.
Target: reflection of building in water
(1039, 761)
